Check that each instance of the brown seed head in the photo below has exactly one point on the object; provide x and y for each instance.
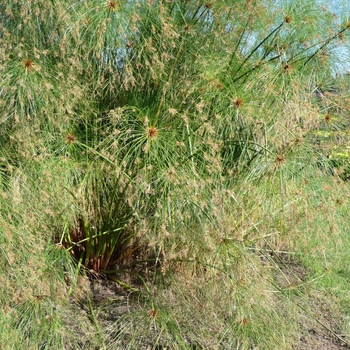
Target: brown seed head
(39, 297)
(328, 118)
(70, 138)
(288, 19)
(151, 132)
(244, 322)
(28, 64)
(298, 141)
(153, 313)
(280, 159)
(287, 68)
(239, 102)
(112, 5)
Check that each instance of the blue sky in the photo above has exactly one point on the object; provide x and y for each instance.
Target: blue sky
(342, 9)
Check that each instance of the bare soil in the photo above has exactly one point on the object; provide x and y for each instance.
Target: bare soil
(319, 330)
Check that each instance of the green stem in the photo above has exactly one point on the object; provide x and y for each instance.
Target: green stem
(259, 45)
(167, 85)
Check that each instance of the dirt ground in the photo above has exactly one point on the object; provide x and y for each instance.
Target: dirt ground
(318, 337)
(325, 335)
(319, 331)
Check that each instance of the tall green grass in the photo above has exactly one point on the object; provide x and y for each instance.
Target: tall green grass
(178, 149)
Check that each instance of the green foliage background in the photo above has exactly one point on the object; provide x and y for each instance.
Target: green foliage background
(182, 148)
